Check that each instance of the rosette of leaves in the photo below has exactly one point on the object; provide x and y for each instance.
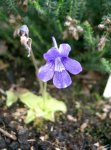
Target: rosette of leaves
(36, 106)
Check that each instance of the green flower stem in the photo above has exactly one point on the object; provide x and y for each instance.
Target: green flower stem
(43, 86)
(36, 70)
(44, 92)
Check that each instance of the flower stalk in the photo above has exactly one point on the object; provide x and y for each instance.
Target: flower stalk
(36, 70)
(26, 41)
(44, 92)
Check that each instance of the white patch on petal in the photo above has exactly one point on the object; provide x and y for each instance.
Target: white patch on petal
(59, 65)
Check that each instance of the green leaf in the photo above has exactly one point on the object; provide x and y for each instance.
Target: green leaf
(31, 100)
(30, 116)
(40, 108)
(11, 98)
(50, 116)
(53, 104)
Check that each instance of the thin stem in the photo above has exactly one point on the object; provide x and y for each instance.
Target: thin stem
(44, 95)
(27, 42)
(54, 42)
(45, 91)
(11, 136)
(43, 87)
(36, 69)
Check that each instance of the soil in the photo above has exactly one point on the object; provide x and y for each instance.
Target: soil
(85, 126)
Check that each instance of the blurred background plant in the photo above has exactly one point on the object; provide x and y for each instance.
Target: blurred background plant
(49, 17)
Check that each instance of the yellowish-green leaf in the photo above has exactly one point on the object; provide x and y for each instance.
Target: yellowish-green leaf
(50, 116)
(30, 100)
(53, 104)
(30, 116)
(11, 98)
(40, 108)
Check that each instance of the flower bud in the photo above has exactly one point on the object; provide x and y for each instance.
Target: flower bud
(24, 30)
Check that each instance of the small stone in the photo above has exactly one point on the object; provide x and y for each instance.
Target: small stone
(2, 143)
(14, 145)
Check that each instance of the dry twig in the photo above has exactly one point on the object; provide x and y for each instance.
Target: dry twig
(13, 137)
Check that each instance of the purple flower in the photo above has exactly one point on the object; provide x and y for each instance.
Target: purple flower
(57, 65)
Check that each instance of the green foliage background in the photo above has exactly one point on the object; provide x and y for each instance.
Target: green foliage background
(45, 18)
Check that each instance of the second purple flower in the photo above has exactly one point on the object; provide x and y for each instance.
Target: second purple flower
(58, 64)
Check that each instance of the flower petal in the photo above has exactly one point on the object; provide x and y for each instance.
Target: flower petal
(51, 54)
(72, 65)
(61, 79)
(46, 72)
(64, 49)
